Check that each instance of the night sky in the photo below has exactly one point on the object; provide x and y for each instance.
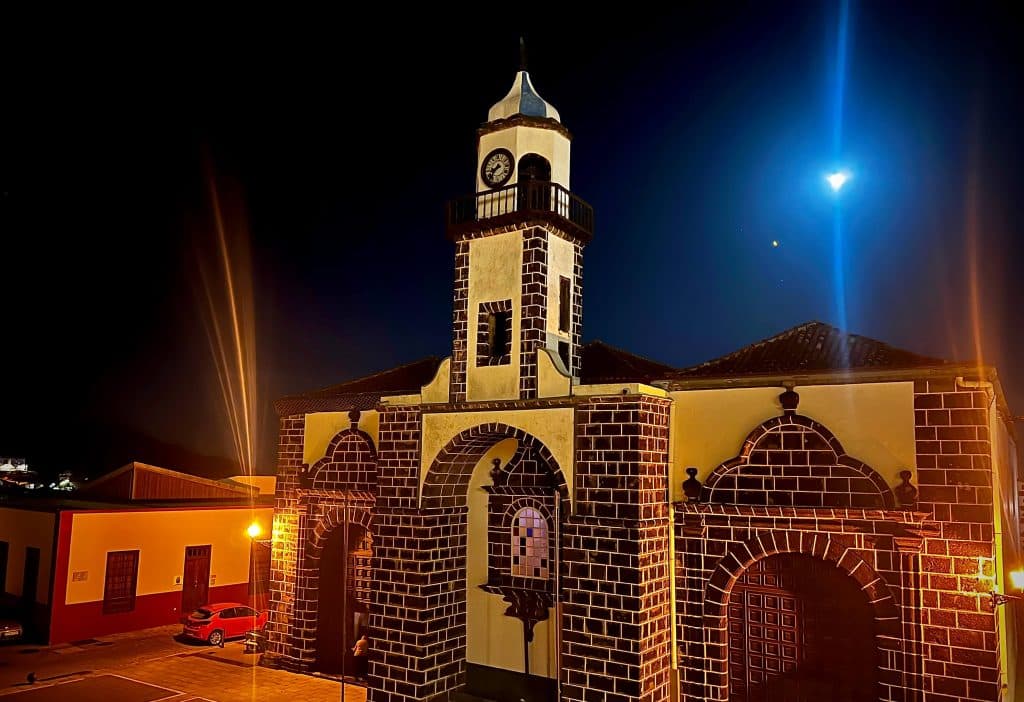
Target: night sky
(699, 138)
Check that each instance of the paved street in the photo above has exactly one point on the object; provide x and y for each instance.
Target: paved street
(152, 665)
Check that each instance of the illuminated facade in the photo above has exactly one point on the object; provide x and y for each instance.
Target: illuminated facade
(140, 547)
(816, 516)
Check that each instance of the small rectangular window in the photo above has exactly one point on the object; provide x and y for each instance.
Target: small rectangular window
(122, 577)
(564, 305)
(499, 324)
(494, 333)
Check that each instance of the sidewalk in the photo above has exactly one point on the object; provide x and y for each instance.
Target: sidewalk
(153, 656)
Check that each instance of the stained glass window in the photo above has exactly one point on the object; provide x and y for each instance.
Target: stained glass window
(530, 544)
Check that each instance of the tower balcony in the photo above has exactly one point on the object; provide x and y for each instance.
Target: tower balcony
(521, 202)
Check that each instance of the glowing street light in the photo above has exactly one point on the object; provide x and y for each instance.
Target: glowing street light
(254, 530)
(837, 180)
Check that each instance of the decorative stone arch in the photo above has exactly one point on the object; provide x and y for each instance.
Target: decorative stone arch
(447, 480)
(332, 516)
(326, 512)
(349, 463)
(793, 460)
(763, 544)
(443, 518)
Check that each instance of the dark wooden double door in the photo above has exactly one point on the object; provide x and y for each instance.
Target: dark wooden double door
(800, 630)
(195, 583)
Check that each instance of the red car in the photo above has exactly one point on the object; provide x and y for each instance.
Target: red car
(227, 620)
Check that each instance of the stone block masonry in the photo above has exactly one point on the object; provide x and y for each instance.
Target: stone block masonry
(616, 641)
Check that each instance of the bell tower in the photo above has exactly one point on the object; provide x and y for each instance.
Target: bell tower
(518, 255)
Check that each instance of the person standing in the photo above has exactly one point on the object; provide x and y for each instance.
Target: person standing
(360, 652)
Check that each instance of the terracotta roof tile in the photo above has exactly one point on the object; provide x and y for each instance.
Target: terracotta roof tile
(809, 347)
(602, 363)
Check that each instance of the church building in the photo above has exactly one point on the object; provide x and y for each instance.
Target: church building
(817, 516)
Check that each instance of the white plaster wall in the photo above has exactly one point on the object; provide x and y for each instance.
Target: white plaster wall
(873, 421)
(324, 426)
(492, 639)
(527, 140)
(495, 273)
(552, 427)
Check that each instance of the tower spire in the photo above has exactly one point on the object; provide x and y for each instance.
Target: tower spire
(522, 54)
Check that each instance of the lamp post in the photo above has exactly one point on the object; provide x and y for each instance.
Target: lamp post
(1001, 598)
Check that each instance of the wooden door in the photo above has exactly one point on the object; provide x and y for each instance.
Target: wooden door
(195, 583)
(784, 642)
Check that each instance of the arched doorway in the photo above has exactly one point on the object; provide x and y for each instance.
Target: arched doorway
(800, 629)
(341, 599)
(534, 167)
(534, 183)
(478, 485)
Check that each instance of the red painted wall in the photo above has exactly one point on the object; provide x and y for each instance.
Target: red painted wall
(86, 620)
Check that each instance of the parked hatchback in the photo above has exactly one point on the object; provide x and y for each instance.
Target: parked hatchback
(227, 620)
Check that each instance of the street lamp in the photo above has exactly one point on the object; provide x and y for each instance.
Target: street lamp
(1001, 598)
(254, 530)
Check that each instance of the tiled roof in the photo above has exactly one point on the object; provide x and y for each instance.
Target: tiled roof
(362, 393)
(602, 363)
(809, 347)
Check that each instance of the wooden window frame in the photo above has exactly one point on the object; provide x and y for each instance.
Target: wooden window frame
(120, 564)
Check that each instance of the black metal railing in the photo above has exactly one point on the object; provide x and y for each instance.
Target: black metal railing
(529, 197)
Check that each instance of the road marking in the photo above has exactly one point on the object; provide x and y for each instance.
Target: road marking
(143, 682)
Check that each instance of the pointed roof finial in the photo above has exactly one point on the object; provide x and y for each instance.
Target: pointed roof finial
(522, 54)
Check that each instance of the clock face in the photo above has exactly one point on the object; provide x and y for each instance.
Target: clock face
(497, 168)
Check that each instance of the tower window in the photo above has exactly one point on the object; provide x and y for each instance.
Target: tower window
(494, 334)
(498, 324)
(564, 305)
(530, 544)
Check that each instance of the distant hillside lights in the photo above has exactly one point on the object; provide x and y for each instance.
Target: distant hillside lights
(12, 465)
(15, 471)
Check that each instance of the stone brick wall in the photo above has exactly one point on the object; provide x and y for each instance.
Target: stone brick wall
(534, 308)
(793, 460)
(283, 559)
(577, 311)
(954, 460)
(398, 666)
(349, 463)
(321, 515)
(460, 322)
(616, 589)
(925, 567)
(716, 543)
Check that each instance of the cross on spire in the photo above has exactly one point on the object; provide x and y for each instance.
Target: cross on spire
(522, 54)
